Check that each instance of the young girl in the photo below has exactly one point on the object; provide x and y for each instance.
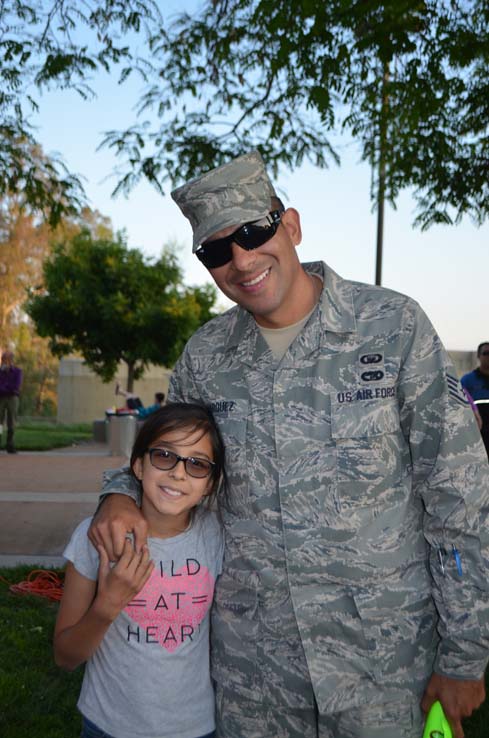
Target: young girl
(142, 625)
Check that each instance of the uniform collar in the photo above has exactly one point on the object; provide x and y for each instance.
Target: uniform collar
(336, 314)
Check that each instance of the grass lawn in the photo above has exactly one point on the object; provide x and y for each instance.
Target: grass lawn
(42, 436)
(37, 699)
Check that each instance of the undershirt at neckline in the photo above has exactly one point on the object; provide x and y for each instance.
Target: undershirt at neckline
(279, 339)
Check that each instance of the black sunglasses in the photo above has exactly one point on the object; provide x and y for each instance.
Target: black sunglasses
(165, 460)
(249, 236)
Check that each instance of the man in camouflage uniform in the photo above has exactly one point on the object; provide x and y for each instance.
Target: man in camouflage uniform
(355, 581)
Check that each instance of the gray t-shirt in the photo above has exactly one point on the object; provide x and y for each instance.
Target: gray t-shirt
(149, 678)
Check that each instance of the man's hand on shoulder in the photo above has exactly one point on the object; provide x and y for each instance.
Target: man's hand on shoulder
(459, 698)
(117, 516)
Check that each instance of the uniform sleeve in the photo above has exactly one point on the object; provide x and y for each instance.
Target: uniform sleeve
(450, 473)
(220, 554)
(120, 482)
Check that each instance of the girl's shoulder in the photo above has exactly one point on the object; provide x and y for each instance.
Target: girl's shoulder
(207, 525)
(207, 520)
(80, 534)
(80, 551)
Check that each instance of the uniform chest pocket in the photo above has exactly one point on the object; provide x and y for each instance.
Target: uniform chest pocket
(232, 417)
(368, 455)
(367, 418)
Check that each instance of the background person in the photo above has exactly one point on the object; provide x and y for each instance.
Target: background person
(143, 625)
(355, 580)
(476, 383)
(472, 404)
(134, 402)
(10, 384)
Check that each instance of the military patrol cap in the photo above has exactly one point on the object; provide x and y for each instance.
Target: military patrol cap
(232, 194)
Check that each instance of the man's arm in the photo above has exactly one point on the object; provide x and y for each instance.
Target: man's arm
(450, 473)
(14, 381)
(458, 698)
(118, 514)
(474, 408)
(18, 381)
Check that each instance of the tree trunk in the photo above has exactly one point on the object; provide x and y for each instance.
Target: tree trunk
(40, 393)
(381, 173)
(130, 377)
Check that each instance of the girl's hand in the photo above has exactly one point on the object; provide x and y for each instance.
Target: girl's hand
(117, 585)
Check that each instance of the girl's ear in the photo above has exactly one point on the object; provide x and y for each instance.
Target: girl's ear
(137, 468)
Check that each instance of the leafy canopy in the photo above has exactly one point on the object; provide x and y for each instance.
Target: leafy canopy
(25, 242)
(46, 44)
(110, 304)
(287, 77)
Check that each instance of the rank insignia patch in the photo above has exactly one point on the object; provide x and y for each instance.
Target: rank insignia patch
(455, 390)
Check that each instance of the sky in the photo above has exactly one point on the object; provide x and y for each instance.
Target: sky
(445, 269)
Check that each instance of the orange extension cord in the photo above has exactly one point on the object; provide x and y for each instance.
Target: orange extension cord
(39, 582)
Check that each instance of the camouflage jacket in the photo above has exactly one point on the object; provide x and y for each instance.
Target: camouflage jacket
(357, 537)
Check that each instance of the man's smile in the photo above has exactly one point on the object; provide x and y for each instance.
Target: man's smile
(256, 281)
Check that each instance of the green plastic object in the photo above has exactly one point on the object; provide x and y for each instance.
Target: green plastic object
(436, 723)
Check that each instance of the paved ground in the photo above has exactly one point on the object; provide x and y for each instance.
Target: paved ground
(44, 495)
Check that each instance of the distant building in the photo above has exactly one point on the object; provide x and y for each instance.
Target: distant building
(464, 361)
(83, 397)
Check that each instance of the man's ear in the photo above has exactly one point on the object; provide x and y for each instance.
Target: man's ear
(291, 221)
(137, 468)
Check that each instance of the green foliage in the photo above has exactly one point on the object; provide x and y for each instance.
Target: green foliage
(38, 699)
(407, 78)
(108, 303)
(56, 44)
(45, 436)
(45, 184)
(25, 242)
(39, 373)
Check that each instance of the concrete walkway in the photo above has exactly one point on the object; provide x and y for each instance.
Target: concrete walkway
(44, 495)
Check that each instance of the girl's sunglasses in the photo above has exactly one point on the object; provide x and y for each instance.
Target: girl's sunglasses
(249, 236)
(165, 460)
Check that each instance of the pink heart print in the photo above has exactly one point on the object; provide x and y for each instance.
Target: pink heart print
(170, 608)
